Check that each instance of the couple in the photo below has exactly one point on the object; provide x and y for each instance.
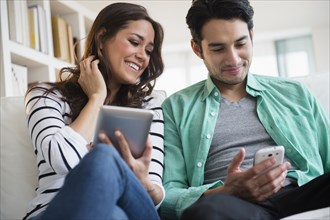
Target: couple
(207, 172)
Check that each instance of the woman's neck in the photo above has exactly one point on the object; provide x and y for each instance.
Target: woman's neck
(114, 89)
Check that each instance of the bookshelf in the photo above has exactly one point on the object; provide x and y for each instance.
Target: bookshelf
(41, 65)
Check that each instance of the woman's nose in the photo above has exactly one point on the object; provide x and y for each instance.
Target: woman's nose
(141, 54)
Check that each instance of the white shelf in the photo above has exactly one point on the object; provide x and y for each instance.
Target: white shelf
(41, 66)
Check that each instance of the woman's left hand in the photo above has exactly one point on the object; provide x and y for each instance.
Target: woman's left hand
(140, 166)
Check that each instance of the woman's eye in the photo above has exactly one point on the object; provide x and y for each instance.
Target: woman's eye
(134, 43)
(148, 52)
(240, 45)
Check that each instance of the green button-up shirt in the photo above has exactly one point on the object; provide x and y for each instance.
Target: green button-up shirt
(287, 110)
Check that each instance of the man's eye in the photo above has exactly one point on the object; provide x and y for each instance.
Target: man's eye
(218, 49)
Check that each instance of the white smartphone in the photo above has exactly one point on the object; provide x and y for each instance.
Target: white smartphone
(276, 152)
(132, 122)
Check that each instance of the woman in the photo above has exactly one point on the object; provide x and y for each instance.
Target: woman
(77, 180)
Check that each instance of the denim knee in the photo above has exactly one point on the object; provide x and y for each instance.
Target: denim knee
(105, 149)
(100, 160)
(104, 152)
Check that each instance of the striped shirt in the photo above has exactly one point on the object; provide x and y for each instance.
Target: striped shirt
(59, 148)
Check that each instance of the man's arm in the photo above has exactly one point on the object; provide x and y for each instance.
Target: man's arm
(321, 120)
(179, 192)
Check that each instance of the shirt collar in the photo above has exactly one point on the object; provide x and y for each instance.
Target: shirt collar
(252, 87)
(252, 83)
(209, 87)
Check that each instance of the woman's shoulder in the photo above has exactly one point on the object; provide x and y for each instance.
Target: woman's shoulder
(154, 100)
(43, 91)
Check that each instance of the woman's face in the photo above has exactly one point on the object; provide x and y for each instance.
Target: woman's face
(129, 52)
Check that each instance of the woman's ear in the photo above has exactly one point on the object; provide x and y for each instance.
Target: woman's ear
(196, 48)
(100, 36)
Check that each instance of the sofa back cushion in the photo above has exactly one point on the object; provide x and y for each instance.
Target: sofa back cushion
(18, 167)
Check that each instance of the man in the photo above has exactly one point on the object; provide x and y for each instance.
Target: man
(213, 129)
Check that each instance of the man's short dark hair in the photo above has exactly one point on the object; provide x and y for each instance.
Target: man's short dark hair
(203, 11)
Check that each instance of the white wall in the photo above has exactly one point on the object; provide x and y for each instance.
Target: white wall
(273, 20)
(321, 47)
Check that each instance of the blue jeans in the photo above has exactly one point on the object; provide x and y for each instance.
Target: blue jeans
(101, 186)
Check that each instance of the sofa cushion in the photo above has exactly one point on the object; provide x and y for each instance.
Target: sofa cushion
(18, 167)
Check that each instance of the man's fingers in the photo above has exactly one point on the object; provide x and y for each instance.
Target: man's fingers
(234, 166)
(276, 175)
(270, 182)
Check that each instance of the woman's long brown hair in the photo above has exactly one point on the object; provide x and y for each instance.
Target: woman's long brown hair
(113, 18)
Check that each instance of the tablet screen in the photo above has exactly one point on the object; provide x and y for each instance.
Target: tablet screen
(132, 122)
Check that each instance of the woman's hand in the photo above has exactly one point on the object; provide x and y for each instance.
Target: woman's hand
(93, 84)
(140, 166)
(91, 79)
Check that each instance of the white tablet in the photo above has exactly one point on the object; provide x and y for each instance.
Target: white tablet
(132, 122)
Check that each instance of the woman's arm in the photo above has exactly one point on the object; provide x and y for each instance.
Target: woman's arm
(92, 83)
(157, 191)
(47, 118)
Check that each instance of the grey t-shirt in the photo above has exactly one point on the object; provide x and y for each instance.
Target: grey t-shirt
(237, 126)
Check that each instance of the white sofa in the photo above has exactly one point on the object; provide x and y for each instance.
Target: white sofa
(18, 168)
(18, 178)
(17, 162)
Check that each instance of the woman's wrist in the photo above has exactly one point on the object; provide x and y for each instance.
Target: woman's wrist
(149, 186)
(97, 98)
(150, 189)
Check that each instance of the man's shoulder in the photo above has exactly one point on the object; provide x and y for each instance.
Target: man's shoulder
(278, 82)
(285, 89)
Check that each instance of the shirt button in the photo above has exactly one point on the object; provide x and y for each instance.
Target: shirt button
(216, 93)
(213, 113)
(199, 164)
(208, 136)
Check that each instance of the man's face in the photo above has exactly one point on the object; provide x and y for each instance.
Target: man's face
(226, 51)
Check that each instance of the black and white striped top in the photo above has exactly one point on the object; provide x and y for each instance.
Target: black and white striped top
(59, 148)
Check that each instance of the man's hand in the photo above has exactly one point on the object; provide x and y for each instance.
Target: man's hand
(253, 184)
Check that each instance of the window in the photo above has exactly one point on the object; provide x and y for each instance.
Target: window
(290, 56)
(295, 56)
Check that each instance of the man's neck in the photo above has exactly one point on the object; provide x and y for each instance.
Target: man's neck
(233, 93)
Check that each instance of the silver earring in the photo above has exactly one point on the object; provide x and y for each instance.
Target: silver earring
(138, 80)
